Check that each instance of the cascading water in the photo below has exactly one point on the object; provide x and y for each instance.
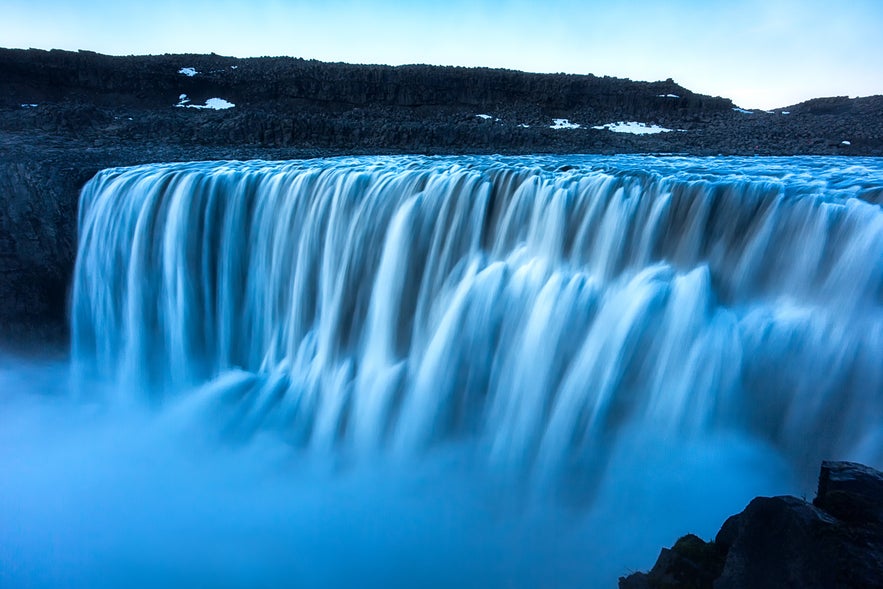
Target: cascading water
(560, 323)
(395, 304)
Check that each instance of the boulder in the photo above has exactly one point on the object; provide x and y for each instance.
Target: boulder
(691, 563)
(834, 542)
(851, 492)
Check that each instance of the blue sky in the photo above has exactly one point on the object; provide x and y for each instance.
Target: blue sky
(761, 53)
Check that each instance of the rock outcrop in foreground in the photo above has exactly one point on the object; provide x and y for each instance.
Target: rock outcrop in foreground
(777, 542)
(65, 115)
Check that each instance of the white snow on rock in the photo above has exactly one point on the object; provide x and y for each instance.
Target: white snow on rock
(743, 111)
(188, 71)
(29, 106)
(524, 126)
(786, 112)
(563, 124)
(846, 143)
(211, 103)
(633, 128)
(216, 104)
(485, 117)
(233, 67)
(668, 96)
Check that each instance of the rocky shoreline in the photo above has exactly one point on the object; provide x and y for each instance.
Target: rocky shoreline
(66, 115)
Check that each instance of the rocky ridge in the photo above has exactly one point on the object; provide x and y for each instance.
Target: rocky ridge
(105, 101)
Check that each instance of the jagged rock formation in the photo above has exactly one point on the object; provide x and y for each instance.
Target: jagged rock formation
(66, 115)
(834, 542)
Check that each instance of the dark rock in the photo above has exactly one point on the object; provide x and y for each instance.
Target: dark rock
(691, 563)
(851, 492)
(834, 542)
(779, 542)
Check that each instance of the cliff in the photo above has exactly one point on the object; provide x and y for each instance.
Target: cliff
(66, 115)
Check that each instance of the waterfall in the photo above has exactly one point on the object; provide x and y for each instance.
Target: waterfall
(440, 372)
(536, 309)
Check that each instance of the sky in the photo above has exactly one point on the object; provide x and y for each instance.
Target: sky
(760, 53)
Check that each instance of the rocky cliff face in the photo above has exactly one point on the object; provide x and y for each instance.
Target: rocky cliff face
(65, 115)
(37, 227)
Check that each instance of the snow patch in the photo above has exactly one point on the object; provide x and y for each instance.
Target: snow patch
(743, 111)
(563, 124)
(485, 117)
(634, 128)
(786, 112)
(234, 67)
(524, 126)
(29, 106)
(211, 103)
(846, 143)
(668, 96)
(215, 104)
(188, 71)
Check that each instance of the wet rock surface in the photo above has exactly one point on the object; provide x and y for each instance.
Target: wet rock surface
(834, 542)
(66, 115)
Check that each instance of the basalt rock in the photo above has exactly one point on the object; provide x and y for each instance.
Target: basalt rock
(95, 100)
(691, 563)
(834, 542)
(851, 492)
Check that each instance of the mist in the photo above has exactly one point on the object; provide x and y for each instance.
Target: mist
(111, 495)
